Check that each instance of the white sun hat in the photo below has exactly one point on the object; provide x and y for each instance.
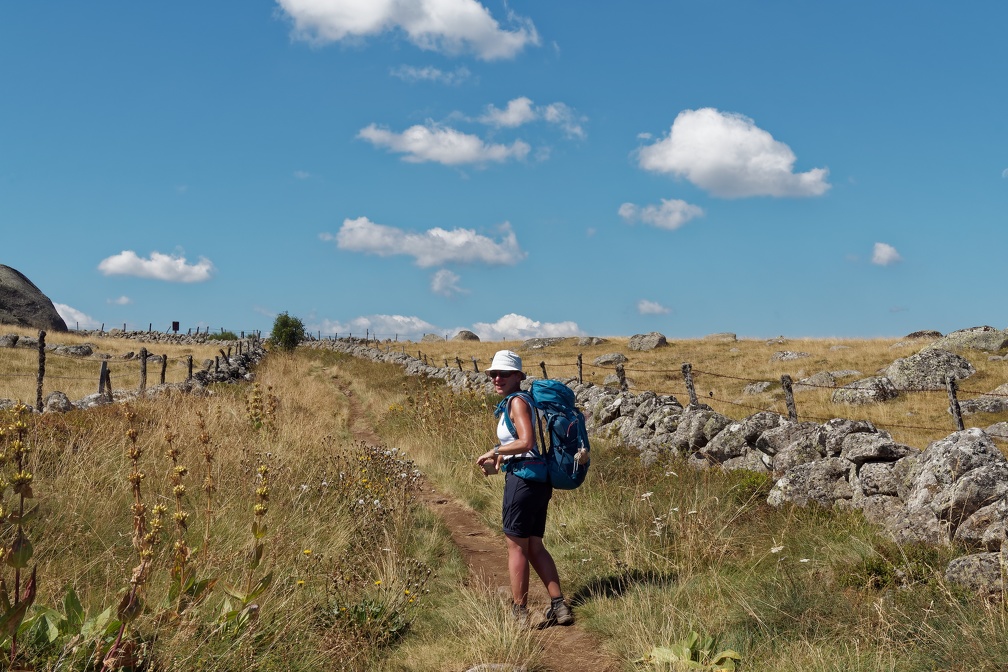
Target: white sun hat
(505, 360)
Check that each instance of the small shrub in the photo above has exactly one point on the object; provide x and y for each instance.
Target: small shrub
(223, 336)
(287, 332)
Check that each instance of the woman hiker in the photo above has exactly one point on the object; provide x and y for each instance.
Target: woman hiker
(525, 501)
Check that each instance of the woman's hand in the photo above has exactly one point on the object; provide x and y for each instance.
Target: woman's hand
(489, 462)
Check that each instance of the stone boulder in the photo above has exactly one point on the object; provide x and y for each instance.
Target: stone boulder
(586, 341)
(56, 402)
(788, 356)
(24, 304)
(983, 338)
(610, 359)
(821, 379)
(992, 402)
(923, 334)
(540, 343)
(645, 342)
(431, 338)
(866, 391)
(465, 335)
(9, 340)
(928, 369)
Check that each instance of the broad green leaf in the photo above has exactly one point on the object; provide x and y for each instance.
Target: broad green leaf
(73, 610)
(260, 587)
(235, 593)
(11, 619)
(20, 551)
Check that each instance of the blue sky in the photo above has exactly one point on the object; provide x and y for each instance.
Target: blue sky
(518, 169)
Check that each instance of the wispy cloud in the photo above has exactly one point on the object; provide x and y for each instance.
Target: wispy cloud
(302, 174)
(885, 255)
(411, 74)
(645, 307)
(727, 155)
(433, 247)
(446, 283)
(446, 26)
(513, 327)
(120, 301)
(158, 267)
(671, 214)
(520, 111)
(74, 317)
(441, 144)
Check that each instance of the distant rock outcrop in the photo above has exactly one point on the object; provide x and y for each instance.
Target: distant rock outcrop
(24, 304)
(645, 342)
(465, 335)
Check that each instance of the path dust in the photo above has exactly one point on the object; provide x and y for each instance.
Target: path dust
(566, 649)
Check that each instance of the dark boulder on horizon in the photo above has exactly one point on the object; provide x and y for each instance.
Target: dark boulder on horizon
(24, 305)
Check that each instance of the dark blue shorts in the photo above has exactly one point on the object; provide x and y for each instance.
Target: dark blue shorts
(525, 504)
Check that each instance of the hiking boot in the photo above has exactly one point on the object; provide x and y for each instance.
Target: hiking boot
(521, 614)
(559, 613)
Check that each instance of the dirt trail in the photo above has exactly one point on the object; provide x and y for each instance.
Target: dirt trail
(567, 649)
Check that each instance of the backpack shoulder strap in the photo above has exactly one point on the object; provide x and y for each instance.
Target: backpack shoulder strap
(505, 405)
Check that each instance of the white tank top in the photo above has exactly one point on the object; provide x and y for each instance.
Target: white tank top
(504, 436)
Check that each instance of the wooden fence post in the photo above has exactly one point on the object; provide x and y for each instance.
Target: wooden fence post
(952, 387)
(580, 370)
(542, 365)
(108, 383)
(143, 370)
(792, 410)
(687, 372)
(41, 370)
(189, 364)
(475, 366)
(621, 374)
(459, 362)
(164, 367)
(101, 377)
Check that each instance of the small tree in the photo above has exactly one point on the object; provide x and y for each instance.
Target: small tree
(287, 332)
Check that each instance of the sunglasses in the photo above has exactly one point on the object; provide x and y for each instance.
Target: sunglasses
(501, 374)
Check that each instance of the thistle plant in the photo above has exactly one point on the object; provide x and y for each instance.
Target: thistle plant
(14, 454)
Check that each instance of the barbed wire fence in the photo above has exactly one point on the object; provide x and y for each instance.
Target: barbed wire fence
(135, 369)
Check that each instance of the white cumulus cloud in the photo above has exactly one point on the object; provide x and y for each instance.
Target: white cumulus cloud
(433, 247)
(512, 327)
(440, 144)
(727, 155)
(520, 111)
(885, 254)
(645, 307)
(412, 74)
(121, 301)
(671, 214)
(74, 317)
(446, 283)
(158, 267)
(446, 26)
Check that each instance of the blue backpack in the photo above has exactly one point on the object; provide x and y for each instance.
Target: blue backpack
(560, 419)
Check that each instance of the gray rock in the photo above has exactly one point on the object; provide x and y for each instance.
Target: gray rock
(610, 359)
(832, 433)
(876, 478)
(999, 430)
(928, 369)
(983, 338)
(588, 341)
(24, 304)
(758, 387)
(992, 402)
(823, 482)
(788, 356)
(645, 342)
(8, 340)
(697, 426)
(540, 343)
(431, 338)
(866, 391)
(786, 435)
(927, 333)
(56, 402)
(465, 335)
(82, 350)
(818, 380)
(981, 573)
(860, 448)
